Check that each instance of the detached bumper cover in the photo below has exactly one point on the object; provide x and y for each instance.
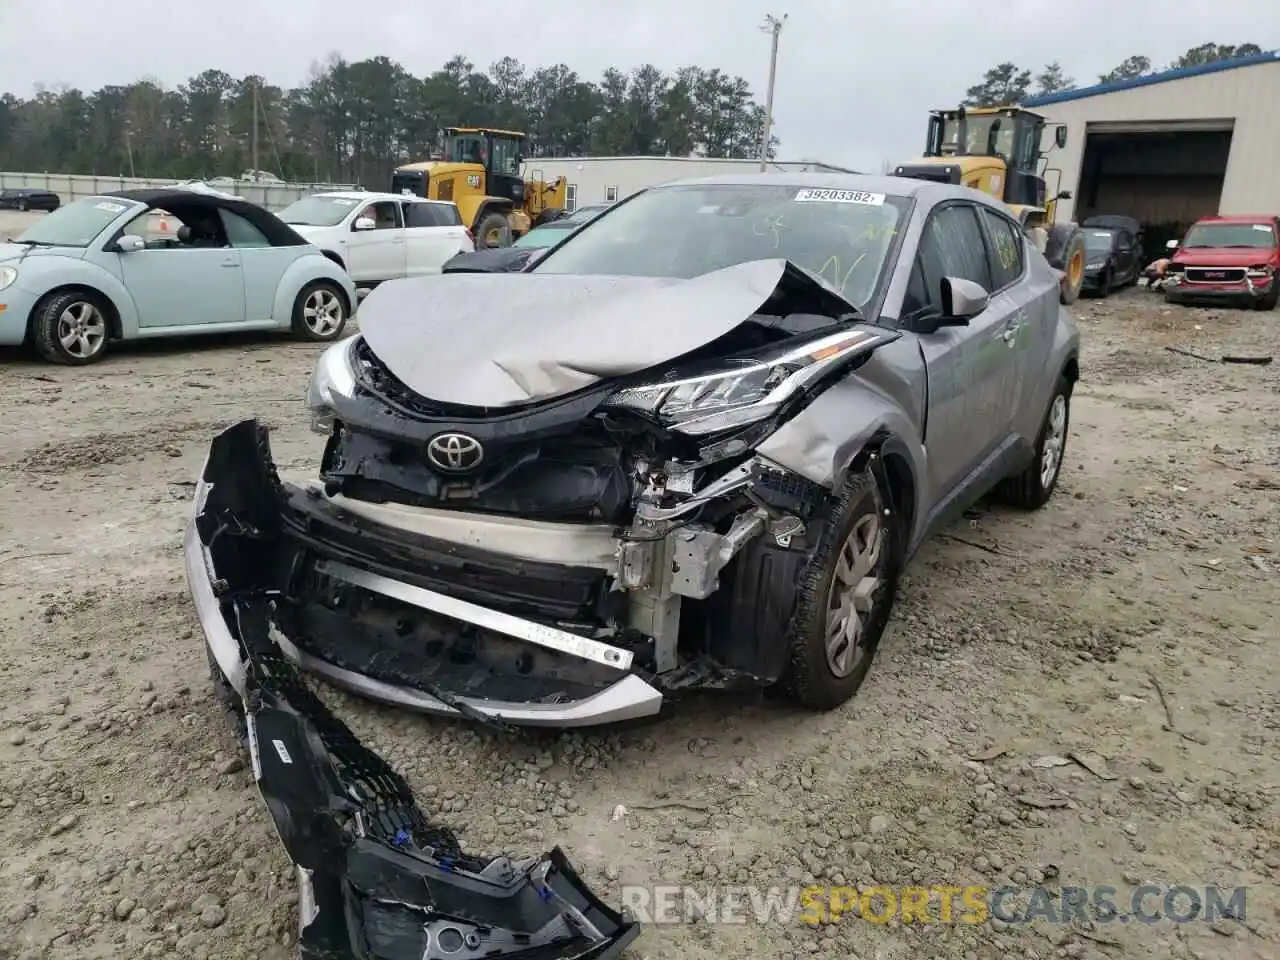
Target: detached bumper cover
(377, 879)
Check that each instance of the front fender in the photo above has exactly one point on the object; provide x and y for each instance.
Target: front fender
(307, 269)
(884, 399)
(42, 275)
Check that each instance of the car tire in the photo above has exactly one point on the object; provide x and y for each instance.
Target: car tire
(71, 328)
(495, 223)
(1032, 488)
(21, 204)
(1269, 300)
(320, 312)
(860, 536)
(1104, 287)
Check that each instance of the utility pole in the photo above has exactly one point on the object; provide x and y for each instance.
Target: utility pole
(772, 25)
(255, 128)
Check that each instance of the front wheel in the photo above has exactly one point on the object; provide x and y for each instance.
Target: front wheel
(71, 328)
(22, 204)
(1032, 488)
(320, 312)
(845, 598)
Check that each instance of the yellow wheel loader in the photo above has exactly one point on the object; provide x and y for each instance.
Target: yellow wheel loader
(997, 150)
(480, 172)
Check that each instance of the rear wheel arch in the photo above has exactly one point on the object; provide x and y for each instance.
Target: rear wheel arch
(115, 328)
(1071, 370)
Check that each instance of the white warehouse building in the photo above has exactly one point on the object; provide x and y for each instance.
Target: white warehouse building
(1172, 147)
(592, 180)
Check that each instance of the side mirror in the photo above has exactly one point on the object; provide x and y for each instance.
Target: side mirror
(1063, 195)
(1171, 245)
(130, 243)
(962, 300)
(1060, 137)
(364, 223)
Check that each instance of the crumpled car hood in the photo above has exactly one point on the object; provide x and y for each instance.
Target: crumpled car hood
(501, 340)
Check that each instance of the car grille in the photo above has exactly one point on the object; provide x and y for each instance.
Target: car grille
(1214, 274)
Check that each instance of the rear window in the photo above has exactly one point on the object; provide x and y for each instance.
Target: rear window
(431, 215)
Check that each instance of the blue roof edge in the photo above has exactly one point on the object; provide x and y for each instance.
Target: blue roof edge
(1097, 90)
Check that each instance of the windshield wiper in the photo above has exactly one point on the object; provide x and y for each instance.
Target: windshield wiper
(34, 243)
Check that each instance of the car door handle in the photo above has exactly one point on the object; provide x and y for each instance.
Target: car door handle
(231, 264)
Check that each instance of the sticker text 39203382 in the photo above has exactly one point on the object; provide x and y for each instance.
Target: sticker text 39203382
(815, 195)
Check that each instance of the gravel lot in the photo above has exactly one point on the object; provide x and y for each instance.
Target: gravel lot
(130, 828)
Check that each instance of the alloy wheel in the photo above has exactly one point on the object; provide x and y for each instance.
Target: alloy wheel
(322, 312)
(82, 330)
(1055, 436)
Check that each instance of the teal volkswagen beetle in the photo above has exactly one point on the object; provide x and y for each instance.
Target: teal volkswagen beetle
(162, 263)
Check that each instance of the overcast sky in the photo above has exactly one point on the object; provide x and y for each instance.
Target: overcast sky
(855, 79)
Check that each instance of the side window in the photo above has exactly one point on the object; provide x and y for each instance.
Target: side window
(1006, 252)
(917, 302)
(1124, 241)
(385, 214)
(953, 246)
(431, 215)
(241, 232)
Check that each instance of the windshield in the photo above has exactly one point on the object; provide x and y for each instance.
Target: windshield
(544, 236)
(1098, 241)
(842, 236)
(78, 223)
(317, 211)
(1259, 235)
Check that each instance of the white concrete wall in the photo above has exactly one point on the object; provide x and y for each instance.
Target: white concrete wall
(1248, 95)
(72, 187)
(593, 176)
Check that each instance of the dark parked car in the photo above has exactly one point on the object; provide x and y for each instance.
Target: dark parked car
(29, 198)
(1113, 253)
(526, 249)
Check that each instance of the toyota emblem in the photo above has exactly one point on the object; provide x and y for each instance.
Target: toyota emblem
(455, 452)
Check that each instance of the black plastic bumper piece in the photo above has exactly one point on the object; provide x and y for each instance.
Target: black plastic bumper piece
(378, 880)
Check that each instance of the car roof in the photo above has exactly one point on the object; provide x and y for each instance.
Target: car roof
(373, 196)
(892, 186)
(1239, 218)
(272, 227)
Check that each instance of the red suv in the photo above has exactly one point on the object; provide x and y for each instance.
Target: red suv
(1233, 258)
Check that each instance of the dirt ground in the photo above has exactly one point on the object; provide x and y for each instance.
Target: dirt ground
(1132, 623)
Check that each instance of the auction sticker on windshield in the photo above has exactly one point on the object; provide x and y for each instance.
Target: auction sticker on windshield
(840, 196)
(110, 207)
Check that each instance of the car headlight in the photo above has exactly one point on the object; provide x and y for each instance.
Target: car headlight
(8, 277)
(333, 375)
(1096, 265)
(741, 390)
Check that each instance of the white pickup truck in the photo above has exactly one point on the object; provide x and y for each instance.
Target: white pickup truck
(380, 236)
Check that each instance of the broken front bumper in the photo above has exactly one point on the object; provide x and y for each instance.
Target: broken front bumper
(265, 526)
(377, 880)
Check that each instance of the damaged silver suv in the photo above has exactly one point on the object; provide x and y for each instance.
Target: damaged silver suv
(692, 446)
